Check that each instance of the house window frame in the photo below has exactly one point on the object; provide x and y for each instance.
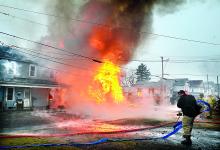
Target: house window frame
(7, 94)
(11, 70)
(35, 70)
(52, 74)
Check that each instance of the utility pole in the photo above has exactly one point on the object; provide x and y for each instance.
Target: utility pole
(162, 74)
(217, 86)
(161, 88)
(208, 84)
(162, 77)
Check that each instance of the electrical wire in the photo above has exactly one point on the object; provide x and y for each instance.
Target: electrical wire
(50, 46)
(51, 60)
(104, 25)
(171, 61)
(37, 56)
(84, 68)
(73, 74)
(24, 19)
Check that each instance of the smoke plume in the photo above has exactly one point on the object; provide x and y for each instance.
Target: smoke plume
(99, 30)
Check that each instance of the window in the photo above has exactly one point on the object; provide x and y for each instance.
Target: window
(32, 71)
(11, 67)
(10, 94)
(52, 76)
(10, 71)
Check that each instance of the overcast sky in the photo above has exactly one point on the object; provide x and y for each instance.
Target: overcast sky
(194, 20)
(198, 21)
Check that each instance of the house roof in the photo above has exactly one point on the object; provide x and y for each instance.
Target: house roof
(148, 84)
(196, 83)
(9, 53)
(24, 82)
(180, 82)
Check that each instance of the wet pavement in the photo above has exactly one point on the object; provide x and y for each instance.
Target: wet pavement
(50, 123)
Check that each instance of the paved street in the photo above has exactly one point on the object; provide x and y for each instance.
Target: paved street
(37, 123)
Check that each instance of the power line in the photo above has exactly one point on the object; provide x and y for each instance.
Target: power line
(39, 64)
(38, 53)
(193, 61)
(49, 59)
(46, 57)
(7, 14)
(179, 61)
(154, 75)
(21, 38)
(174, 61)
(193, 57)
(104, 25)
(50, 68)
(95, 60)
(52, 15)
(14, 46)
(188, 74)
(72, 74)
(24, 19)
(56, 53)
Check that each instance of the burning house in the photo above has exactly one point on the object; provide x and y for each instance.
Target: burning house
(93, 48)
(23, 83)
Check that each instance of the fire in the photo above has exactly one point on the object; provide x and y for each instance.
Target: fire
(107, 84)
(139, 93)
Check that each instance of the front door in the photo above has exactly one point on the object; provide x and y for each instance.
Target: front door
(27, 102)
(10, 100)
(1, 97)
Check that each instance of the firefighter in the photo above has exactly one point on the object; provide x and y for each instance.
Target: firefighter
(212, 101)
(190, 110)
(19, 101)
(202, 97)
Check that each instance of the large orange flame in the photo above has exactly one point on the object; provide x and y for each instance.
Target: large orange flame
(106, 84)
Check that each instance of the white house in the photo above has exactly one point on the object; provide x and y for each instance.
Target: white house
(23, 82)
(196, 87)
(181, 84)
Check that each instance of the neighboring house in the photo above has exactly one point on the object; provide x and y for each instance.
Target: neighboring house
(209, 88)
(176, 85)
(196, 87)
(23, 80)
(181, 84)
(171, 94)
(217, 89)
(144, 90)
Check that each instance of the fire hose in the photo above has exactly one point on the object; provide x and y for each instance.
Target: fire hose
(103, 140)
(177, 127)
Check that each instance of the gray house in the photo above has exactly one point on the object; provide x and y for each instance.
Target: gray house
(209, 88)
(177, 85)
(23, 83)
(196, 87)
(181, 84)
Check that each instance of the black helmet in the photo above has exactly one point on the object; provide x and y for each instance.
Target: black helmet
(181, 92)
